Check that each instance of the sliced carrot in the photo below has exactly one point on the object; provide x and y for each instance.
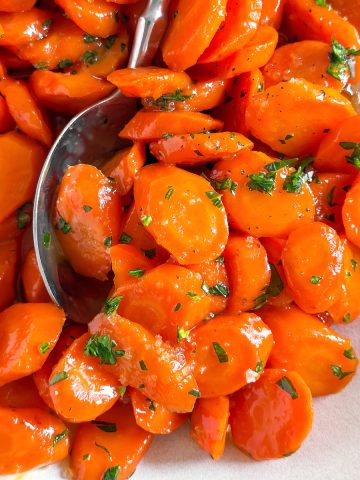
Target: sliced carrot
(148, 81)
(124, 166)
(199, 148)
(112, 445)
(28, 334)
(345, 10)
(33, 285)
(202, 18)
(152, 416)
(272, 417)
(323, 358)
(167, 300)
(209, 422)
(229, 352)
(21, 393)
(30, 437)
(182, 213)
(128, 264)
(272, 13)
(351, 213)
(89, 219)
(9, 257)
(248, 271)
(9, 60)
(149, 364)
(21, 159)
(147, 125)
(293, 117)
(6, 120)
(22, 28)
(241, 23)
(16, 5)
(25, 110)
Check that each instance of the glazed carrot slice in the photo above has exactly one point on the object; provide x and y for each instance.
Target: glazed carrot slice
(272, 417)
(21, 158)
(124, 166)
(98, 18)
(182, 212)
(351, 213)
(10, 61)
(41, 377)
(241, 23)
(345, 10)
(347, 308)
(312, 260)
(89, 218)
(248, 271)
(293, 117)
(216, 284)
(109, 448)
(68, 93)
(30, 437)
(337, 150)
(257, 208)
(329, 190)
(6, 120)
(233, 111)
(16, 5)
(308, 59)
(147, 126)
(272, 13)
(166, 300)
(255, 54)
(32, 282)
(209, 422)
(323, 358)
(9, 256)
(29, 331)
(229, 351)
(21, 393)
(199, 148)
(149, 364)
(202, 18)
(79, 388)
(152, 416)
(22, 28)
(128, 264)
(148, 81)
(25, 110)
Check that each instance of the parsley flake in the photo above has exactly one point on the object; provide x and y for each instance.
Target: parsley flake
(181, 333)
(146, 220)
(219, 290)
(195, 393)
(143, 365)
(89, 38)
(105, 426)
(138, 273)
(193, 296)
(87, 208)
(59, 437)
(23, 217)
(177, 307)
(169, 192)
(46, 239)
(220, 352)
(44, 347)
(112, 304)
(225, 184)
(112, 472)
(350, 354)
(262, 182)
(288, 387)
(125, 238)
(315, 279)
(151, 405)
(354, 263)
(108, 241)
(90, 57)
(66, 62)
(259, 366)
(64, 226)
(58, 377)
(215, 198)
(354, 158)
(338, 372)
(103, 347)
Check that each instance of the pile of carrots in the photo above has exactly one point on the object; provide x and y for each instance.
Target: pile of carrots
(230, 226)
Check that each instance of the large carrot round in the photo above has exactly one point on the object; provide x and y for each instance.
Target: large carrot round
(323, 358)
(182, 212)
(28, 333)
(272, 417)
(229, 352)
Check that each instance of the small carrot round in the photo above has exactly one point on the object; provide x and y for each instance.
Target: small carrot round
(152, 416)
(312, 260)
(351, 213)
(9, 257)
(209, 422)
(110, 447)
(229, 352)
(272, 417)
(33, 285)
(30, 437)
(29, 331)
(24, 27)
(323, 358)
(182, 212)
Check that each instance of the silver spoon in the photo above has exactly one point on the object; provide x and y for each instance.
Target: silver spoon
(89, 137)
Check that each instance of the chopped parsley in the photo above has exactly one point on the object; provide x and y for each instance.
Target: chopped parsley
(87, 208)
(220, 352)
(66, 62)
(289, 136)
(109, 41)
(193, 296)
(151, 253)
(262, 182)
(89, 38)
(90, 57)
(59, 437)
(64, 226)
(48, 23)
(41, 66)
(181, 333)
(143, 365)
(330, 198)
(177, 307)
(112, 472)
(146, 220)
(164, 101)
(293, 183)
(169, 192)
(354, 263)
(354, 158)
(121, 390)
(112, 304)
(338, 372)
(86, 456)
(341, 61)
(350, 354)
(105, 426)
(225, 184)
(195, 393)
(58, 377)
(288, 387)
(103, 448)
(215, 198)
(259, 367)
(219, 290)
(323, 3)
(103, 347)
(220, 260)
(136, 273)
(108, 241)
(125, 238)
(151, 405)
(46, 239)
(274, 288)
(315, 279)
(167, 135)
(347, 318)
(44, 347)
(23, 217)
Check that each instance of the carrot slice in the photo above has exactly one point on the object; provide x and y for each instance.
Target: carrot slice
(202, 18)
(109, 448)
(29, 331)
(312, 260)
(241, 23)
(16, 5)
(323, 358)
(272, 13)
(21, 158)
(182, 213)
(9, 256)
(128, 264)
(152, 416)
(89, 217)
(209, 422)
(22, 28)
(33, 285)
(148, 81)
(272, 417)
(21, 393)
(296, 126)
(30, 437)
(147, 125)
(159, 371)
(229, 352)
(199, 148)
(351, 213)
(80, 389)
(345, 10)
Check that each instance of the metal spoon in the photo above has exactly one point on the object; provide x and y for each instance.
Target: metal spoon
(90, 137)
